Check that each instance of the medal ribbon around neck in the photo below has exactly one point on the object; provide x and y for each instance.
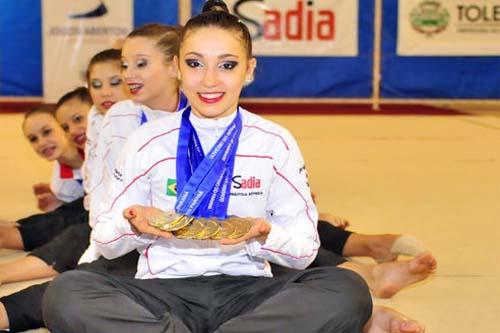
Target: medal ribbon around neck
(204, 181)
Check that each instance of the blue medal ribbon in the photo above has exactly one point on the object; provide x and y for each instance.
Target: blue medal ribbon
(144, 119)
(183, 101)
(204, 181)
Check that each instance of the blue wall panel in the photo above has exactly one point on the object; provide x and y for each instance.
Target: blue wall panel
(20, 48)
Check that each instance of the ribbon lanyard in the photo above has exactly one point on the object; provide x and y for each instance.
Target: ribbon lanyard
(144, 118)
(183, 101)
(204, 182)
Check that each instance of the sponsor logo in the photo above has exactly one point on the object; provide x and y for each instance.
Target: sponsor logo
(98, 11)
(250, 183)
(474, 18)
(429, 17)
(90, 28)
(171, 188)
(477, 13)
(303, 22)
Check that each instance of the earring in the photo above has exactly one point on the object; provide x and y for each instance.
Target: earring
(178, 76)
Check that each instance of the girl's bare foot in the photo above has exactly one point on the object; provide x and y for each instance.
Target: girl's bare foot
(391, 277)
(387, 320)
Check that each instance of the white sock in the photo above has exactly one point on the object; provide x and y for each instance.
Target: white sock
(408, 245)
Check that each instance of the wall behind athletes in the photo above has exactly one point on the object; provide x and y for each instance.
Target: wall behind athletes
(71, 28)
(441, 49)
(314, 48)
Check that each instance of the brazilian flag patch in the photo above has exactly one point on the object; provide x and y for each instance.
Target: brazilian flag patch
(172, 187)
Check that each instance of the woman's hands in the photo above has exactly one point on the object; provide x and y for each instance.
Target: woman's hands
(139, 217)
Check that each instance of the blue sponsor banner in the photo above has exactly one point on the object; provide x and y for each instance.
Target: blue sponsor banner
(21, 48)
(323, 77)
(159, 11)
(433, 77)
(21, 40)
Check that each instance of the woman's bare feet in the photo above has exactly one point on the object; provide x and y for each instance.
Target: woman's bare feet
(389, 278)
(387, 320)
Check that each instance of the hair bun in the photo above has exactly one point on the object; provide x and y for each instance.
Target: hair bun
(215, 6)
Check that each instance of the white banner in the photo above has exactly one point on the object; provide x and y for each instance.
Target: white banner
(75, 30)
(449, 28)
(300, 27)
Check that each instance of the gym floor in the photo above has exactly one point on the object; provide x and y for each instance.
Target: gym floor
(436, 177)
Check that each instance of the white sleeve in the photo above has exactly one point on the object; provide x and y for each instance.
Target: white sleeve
(88, 167)
(293, 240)
(129, 185)
(109, 146)
(99, 174)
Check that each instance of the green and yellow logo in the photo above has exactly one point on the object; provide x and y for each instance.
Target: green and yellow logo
(429, 17)
(172, 187)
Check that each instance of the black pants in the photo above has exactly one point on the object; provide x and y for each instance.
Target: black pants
(326, 299)
(38, 229)
(64, 250)
(24, 308)
(332, 238)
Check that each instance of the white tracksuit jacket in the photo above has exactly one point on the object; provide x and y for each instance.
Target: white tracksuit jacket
(107, 138)
(269, 181)
(66, 182)
(92, 163)
(121, 120)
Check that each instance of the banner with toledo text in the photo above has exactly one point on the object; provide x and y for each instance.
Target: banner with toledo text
(449, 28)
(300, 27)
(75, 30)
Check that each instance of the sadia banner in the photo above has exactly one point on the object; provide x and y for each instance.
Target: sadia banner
(449, 28)
(73, 31)
(300, 28)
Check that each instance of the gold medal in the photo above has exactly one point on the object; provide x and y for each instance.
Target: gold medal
(241, 227)
(225, 230)
(162, 220)
(210, 228)
(180, 223)
(189, 231)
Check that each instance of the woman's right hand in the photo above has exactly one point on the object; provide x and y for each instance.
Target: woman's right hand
(48, 202)
(41, 188)
(139, 217)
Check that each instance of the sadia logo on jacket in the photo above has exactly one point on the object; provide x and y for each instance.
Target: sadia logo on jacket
(246, 183)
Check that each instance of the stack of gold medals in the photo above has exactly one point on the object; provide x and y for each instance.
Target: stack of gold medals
(187, 227)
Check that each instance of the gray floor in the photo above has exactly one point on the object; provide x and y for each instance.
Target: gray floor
(434, 177)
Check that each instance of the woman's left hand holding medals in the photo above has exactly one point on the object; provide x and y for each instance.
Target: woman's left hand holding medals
(138, 217)
(260, 229)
